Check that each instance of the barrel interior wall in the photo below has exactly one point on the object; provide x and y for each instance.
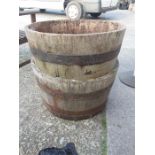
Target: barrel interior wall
(75, 27)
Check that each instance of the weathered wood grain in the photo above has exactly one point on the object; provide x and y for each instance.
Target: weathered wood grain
(75, 63)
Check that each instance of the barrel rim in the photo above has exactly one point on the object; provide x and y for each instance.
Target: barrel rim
(27, 29)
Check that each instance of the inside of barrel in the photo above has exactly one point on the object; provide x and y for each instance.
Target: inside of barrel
(75, 27)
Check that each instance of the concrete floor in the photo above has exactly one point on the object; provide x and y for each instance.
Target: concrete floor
(40, 129)
(120, 109)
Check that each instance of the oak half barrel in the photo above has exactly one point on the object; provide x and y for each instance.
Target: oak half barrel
(75, 64)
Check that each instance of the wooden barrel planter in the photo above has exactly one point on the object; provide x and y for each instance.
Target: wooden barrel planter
(75, 63)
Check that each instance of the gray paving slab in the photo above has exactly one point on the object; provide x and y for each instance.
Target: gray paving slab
(120, 108)
(120, 112)
(24, 53)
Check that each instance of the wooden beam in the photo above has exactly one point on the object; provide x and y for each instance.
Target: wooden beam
(29, 11)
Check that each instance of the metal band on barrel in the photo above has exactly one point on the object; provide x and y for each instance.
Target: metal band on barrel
(80, 60)
(59, 93)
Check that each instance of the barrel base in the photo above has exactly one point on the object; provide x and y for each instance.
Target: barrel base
(75, 116)
(74, 99)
